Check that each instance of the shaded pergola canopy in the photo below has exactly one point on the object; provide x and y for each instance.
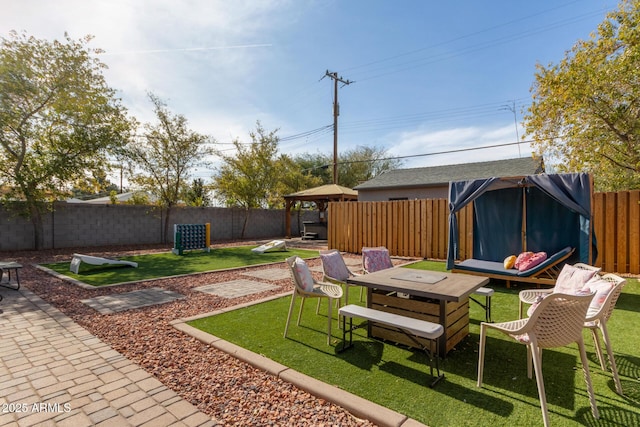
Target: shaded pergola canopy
(321, 196)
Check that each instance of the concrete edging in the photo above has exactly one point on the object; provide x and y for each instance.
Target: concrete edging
(356, 405)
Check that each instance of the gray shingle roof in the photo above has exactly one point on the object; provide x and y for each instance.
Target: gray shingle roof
(439, 175)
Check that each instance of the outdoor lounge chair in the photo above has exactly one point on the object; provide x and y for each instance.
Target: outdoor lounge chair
(307, 287)
(336, 271)
(544, 273)
(556, 322)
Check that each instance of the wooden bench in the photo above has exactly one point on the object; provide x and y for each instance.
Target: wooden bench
(407, 325)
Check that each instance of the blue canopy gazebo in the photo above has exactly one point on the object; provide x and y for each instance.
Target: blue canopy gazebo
(545, 212)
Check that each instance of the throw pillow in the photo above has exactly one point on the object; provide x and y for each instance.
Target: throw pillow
(532, 261)
(601, 288)
(572, 279)
(509, 262)
(522, 258)
(304, 274)
(334, 266)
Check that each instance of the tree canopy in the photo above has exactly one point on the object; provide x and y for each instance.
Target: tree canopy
(256, 175)
(585, 112)
(355, 166)
(164, 156)
(59, 120)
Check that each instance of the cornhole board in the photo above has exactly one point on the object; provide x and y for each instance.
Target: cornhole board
(95, 260)
(272, 246)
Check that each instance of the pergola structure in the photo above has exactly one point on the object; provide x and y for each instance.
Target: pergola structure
(321, 196)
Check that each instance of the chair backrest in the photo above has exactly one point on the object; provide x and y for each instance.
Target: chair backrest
(334, 266)
(558, 319)
(376, 259)
(300, 273)
(605, 298)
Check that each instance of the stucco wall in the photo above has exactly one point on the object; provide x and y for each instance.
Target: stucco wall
(83, 225)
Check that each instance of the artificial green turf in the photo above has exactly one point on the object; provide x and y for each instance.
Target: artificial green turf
(397, 377)
(153, 266)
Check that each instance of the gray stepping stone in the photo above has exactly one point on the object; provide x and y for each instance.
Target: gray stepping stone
(107, 304)
(269, 274)
(235, 288)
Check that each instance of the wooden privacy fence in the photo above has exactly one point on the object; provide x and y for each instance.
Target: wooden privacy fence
(419, 228)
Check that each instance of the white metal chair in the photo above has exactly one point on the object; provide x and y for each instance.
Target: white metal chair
(557, 321)
(306, 286)
(597, 316)
(530, 296)
(336, 271)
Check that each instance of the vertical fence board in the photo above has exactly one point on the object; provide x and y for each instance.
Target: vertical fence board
(609, 263)
(622, 249)
(634, 232)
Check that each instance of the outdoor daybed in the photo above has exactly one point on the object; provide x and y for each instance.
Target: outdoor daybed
(548, 213)
(543, 273)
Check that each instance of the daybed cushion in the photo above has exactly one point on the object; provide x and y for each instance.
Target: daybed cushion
(494, 267)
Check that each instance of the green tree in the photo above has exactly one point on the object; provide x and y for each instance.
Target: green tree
(165, 155)
(354, 166)
(197, 195)
(59, 120)
(586, 110)
(250, 178)
(246, 179)
(362, 164)
(317, 165)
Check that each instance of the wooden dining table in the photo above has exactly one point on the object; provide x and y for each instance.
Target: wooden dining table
(440, 297)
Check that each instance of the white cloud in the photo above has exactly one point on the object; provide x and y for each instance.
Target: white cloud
(457, 145)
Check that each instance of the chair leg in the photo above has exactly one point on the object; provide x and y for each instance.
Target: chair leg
(520, 310)
(537, 365)
(330, 318)
(483, 339)
(587, 378)
(318, 306)
(612, 360)
(301, 307)
(293, 299)
(596, 342)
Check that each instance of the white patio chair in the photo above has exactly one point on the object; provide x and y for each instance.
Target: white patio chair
(599, 313)
(557, 321)
(306, 286)
(572, 278)
(336, 271)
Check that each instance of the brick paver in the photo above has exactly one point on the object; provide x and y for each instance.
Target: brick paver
(54, 372)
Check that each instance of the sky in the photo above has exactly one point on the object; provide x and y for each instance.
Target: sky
(430, 82)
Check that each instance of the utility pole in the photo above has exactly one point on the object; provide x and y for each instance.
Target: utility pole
(336, 113)
(512, 108)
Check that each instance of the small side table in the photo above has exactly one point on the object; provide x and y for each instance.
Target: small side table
(8, 267)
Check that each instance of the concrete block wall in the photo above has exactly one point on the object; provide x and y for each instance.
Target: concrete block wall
(84, 225)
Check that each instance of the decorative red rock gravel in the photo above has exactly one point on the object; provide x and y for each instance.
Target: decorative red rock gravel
(231, 391)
